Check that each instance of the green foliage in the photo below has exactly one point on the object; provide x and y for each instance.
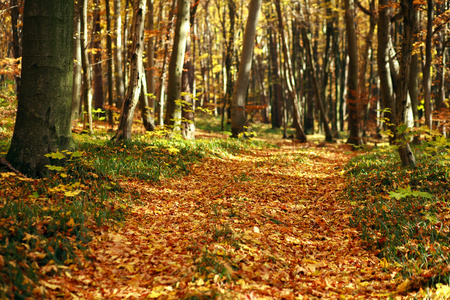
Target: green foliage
(404, 213)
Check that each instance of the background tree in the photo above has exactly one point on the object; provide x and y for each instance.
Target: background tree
(43, 116)
(352, 84)
(136, 73)
(173, 110)
(238, 116)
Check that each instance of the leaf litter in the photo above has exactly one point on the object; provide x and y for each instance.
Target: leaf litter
(264, 224)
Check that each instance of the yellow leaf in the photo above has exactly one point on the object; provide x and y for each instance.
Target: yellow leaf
(384, 263)
(403, 287)
(49, 285)
(130, 268)
(70, 223)
(72, 193)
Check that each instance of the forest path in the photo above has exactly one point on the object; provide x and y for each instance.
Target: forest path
(265, 224)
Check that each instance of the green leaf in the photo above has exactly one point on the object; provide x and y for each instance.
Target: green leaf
(54, 168)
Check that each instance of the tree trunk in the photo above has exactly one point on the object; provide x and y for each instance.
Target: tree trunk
(146, 112)
(384, 72)
(319, 100)
(17, 50)
(238, 116)
(229, 61)
(43, 116)
(187, 85)
(409, 15)
(97, 57)
(427, 67)
(109, 63)
(289, 78)
(87, 69)
(77, 76)
(136, 73)
(164, 66)
(151, 60)
(118, 54)
(173, 113)
(352, 84)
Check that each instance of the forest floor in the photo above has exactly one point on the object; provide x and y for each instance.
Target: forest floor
(263, 224)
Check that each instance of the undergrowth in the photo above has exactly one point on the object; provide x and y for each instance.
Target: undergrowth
(46, 223)
(403, 213)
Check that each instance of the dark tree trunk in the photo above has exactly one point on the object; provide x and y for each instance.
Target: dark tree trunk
(173, 110)
(118, 55)
(109, 63)
(97, 57)
(43, 116)
(409, 15)
(136, 73)
(17, 50)
(352, 84)
(77, 76)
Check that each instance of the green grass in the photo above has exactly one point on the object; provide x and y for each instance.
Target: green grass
(404, 213)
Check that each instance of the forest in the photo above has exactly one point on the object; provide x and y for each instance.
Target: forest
(224, 149)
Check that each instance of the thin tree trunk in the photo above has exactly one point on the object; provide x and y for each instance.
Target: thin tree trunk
(164, 66)
(17, 49)
(289, 78)
(319, 101)
(384, 72)
(151, 59)
(187, 82)
(118, 54)
(136, 73)
(409, 15)
(77, 76)
(97, 57)
(238, 116)
(427, 67)
(173, 112)
(87, 69)
(109, 63)
(352, 84)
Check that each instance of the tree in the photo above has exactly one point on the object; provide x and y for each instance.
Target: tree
(427, 66)
(136, 73)
(290, 80)
(352, 83)
(409, 15)
(118, 71)
(77, 76)
(43, 116)
(238, 116)
(173, 113)
(97, 57)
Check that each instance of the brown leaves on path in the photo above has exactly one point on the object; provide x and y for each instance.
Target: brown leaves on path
(267, 224)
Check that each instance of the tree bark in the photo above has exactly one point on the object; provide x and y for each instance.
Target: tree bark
(238, 116)
(87, 69)
(97, 57)
(352, 83)
(427, 67)
(151, 59)
(77, 76)
(109, 63)
(384, 72)
(409, 15)
(136, 73)
(173, 112)
(118, 60)
(289, 78)
(43, 116)
(17, 49)
(187, 85)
